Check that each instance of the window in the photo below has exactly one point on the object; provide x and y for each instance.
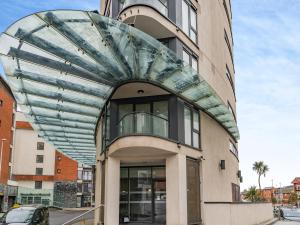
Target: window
(10, 155)
(236, 196)
(227, 13)
(1, 102)
(228, 75)
(40, 146)
(233, 149)
(87, 187)
(39, 158)
(190, 59)
(87, 175)
(189, 20)
(191, 127)
(228, 44)
(79, 174)
(38, 184)
(79, 187)
(9, 173)
(39, 171)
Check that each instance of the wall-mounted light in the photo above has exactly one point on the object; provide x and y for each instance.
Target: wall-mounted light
(140, 91)
(222, 164)
(239, 174)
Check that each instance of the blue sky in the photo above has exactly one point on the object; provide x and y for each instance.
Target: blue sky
(267, 62)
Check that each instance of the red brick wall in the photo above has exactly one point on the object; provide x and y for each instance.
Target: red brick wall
(6, 118)
(65, 168)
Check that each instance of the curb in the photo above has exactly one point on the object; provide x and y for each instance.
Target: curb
(271, 222)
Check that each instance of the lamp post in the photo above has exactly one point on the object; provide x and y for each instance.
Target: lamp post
(1, 149)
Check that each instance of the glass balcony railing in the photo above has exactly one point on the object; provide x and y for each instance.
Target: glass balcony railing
(159, 5)
(143, 123)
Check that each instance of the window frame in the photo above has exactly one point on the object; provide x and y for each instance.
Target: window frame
(192, 110)
(38, 184)
(228, 45)
(192, 56)
(41, 157)
(40, 145)
(236, 192)
(39, 169)
(190, 27)
(229, 77)
(233, 149)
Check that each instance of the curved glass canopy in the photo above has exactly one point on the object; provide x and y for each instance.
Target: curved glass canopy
(62, 67)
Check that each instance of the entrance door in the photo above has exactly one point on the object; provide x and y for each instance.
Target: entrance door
(143, 195)
(193, 192)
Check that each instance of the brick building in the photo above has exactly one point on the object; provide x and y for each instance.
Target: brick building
(8, 190)
(296, 185)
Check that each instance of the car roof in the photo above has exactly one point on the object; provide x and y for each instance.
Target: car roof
(31, 207)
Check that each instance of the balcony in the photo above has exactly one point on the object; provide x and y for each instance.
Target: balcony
(159, 5)
(142, 123)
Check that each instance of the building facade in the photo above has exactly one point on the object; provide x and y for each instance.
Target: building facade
(296, 184)
(162, 159)
(8, 190)
(43, 175)
(146, 93)
(85, 186)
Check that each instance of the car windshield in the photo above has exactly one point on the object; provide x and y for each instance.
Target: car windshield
(21, 215)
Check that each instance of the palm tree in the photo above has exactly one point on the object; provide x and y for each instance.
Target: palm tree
(261, 169)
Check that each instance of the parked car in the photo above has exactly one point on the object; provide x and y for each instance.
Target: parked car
(26, 215)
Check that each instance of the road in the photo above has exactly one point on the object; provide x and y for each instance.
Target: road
(58, 217)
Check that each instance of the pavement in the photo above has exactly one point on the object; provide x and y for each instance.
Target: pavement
(58, 217)
(287, 223)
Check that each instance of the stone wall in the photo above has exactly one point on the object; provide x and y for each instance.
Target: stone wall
(65, 194)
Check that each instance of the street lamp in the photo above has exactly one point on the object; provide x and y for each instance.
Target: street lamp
(2, 141)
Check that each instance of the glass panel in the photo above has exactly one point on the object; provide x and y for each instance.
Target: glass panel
(186, 57)
(140, 192)
(196, 120)
(193, 18)
(185, 17)
(160, 123)
(143, 118)
(160, 5)
(160, 197)
(187, 126)
(193, 35)
(194, 63)
(195, 140)
(126, 119)
(158, 172)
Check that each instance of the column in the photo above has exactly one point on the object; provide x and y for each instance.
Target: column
(176, 190)
(112, 191)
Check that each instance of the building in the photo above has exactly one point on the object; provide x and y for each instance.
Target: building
(268, 193)
(43, 175)
(148, 98)
(85, 186)
(8, 190)
(296, 184)
(282, 194)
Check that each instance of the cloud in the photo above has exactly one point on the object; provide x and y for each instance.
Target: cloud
(267, 58)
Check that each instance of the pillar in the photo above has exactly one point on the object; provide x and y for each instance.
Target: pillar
(176, 190)
(112, 191)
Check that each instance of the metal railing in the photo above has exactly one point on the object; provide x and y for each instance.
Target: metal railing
(157, 4)
(77, 218)
(143, 123)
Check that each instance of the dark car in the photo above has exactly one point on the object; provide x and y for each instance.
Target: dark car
(26, 215)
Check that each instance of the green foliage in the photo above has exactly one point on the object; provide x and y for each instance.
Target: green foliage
(252, 194)
(274, 200)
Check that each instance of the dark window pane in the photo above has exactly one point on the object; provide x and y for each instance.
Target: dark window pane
(40, 146)
(187, 126)
(39, 158)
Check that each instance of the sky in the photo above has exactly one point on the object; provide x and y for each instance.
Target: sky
(267, 64)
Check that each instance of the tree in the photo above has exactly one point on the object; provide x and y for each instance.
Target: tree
(274, 200)
(293, 199)
(261, 169)
(252, 194)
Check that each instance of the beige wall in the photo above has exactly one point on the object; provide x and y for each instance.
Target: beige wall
(26, 151)
(49, 185)
(237, 214)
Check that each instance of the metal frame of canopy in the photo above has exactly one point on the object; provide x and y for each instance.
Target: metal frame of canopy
(62, 67)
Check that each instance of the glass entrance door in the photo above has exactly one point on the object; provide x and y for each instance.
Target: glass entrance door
(143, 195)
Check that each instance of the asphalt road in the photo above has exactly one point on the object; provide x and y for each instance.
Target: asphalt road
(58, 217)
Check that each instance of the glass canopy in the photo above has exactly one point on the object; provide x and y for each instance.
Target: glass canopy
(63, 65)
